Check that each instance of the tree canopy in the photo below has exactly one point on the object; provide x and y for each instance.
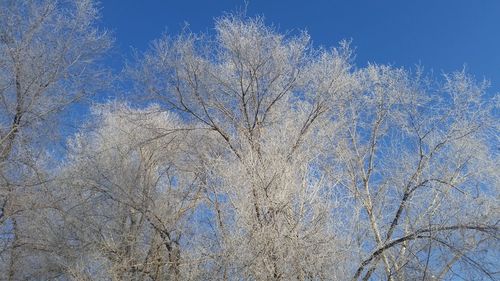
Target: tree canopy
(246, 154)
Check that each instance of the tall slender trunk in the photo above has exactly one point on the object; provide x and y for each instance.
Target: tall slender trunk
(13, 251)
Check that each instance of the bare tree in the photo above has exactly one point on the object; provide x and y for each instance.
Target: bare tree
(417, 158)
(47, 53)
(256, 157)
(262, 98)
(129, 196)
(317, 171)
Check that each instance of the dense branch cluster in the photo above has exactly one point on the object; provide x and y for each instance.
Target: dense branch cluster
(246, 154)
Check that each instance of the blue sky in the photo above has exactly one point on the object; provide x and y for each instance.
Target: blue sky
(441, 35)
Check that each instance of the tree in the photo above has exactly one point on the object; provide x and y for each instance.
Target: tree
(319, 170)
(128, 196)
(48, 50)
(247, 154)
(262, 97)
(417, 159)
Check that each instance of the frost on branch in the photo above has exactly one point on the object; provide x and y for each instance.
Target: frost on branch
(249, 154)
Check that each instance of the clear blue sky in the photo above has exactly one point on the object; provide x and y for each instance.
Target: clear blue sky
(441, 35)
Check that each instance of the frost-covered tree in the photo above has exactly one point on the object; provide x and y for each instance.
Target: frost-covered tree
(47, 55)
(251, 155)
(317, 170)
(417, 157)
(263, 99)
(128, 197)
